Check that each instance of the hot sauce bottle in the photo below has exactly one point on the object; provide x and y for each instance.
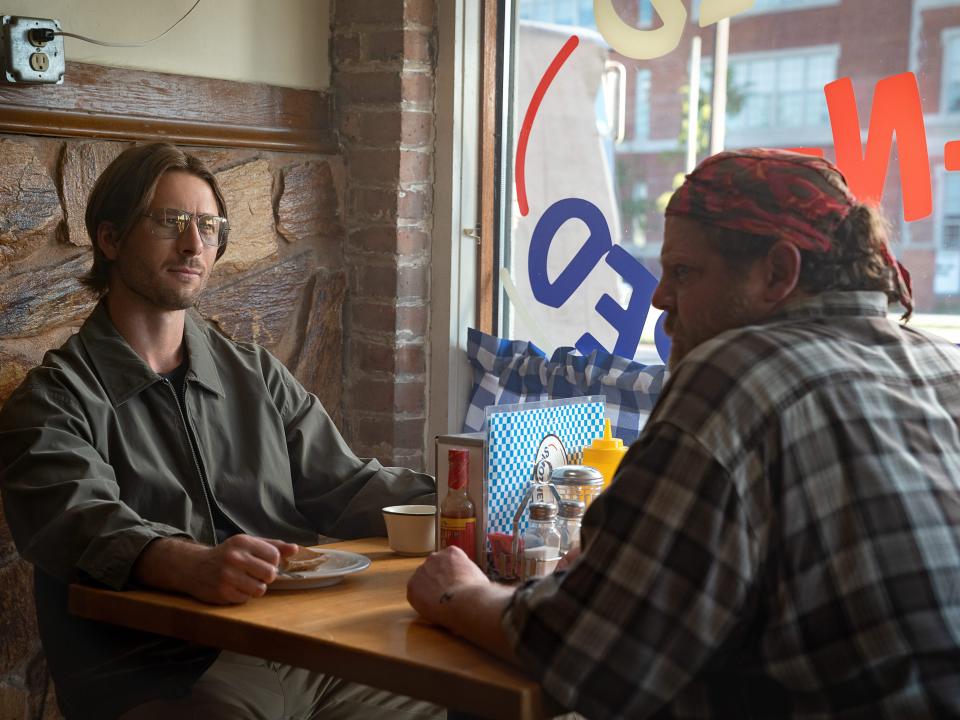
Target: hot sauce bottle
(458, 517)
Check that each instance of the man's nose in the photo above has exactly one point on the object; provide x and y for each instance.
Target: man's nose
(189, 242)
(661, 297)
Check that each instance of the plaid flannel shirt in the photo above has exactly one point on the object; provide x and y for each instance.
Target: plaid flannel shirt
(783, 540)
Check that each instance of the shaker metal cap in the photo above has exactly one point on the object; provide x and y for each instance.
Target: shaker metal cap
(542, 511)
(576, 475)
(571, 508)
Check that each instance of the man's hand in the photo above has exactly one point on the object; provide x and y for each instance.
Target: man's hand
(442, 575)
(450, 590)
(238, 569)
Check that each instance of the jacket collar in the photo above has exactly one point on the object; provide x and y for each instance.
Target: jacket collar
(124, 373)
(203, 368)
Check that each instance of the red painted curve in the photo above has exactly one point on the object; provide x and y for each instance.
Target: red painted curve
(532, 108)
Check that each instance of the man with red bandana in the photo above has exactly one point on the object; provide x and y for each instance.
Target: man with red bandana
(783, 540)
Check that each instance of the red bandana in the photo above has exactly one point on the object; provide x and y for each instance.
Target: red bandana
(790, 196)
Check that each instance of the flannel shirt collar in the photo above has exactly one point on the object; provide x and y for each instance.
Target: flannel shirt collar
(866, 303)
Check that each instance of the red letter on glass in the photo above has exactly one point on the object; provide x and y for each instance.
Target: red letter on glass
(896, 109)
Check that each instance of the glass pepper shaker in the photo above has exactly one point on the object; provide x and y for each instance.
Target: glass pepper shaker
(570, 517)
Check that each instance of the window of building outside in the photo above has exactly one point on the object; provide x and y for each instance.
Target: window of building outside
(768, 6)
(760, 6)
(781, 89)
(641, 105)
(587, 173)
(947, 279)
(951, 213)
(645, 13)
(951, 72)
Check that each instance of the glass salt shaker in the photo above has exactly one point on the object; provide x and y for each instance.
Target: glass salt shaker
(570, 517)
(541, 541)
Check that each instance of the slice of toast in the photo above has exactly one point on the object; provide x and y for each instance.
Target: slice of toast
(304, 560)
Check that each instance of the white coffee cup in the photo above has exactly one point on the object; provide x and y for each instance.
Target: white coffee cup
(411, 529)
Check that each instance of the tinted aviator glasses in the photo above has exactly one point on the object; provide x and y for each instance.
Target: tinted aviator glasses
(169, 224)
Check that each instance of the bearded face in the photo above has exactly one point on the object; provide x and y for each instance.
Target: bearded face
(701, 292)
(166, 273)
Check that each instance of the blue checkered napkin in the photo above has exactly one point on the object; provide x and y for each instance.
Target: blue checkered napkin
(515, 371)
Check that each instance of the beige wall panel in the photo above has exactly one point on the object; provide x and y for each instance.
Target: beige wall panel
(277, 42)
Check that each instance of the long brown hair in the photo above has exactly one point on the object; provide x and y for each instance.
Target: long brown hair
(125, 190)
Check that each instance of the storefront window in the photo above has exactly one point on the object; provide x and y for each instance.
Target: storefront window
(591, 168)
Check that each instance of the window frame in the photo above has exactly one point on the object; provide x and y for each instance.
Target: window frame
(459, 246)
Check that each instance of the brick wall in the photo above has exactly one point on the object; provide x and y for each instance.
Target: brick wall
(383, 60)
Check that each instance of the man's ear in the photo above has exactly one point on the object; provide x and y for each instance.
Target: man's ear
(782, 271)
(107, 239)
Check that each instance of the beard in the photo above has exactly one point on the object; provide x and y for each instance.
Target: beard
(157, 289)
(734, 311)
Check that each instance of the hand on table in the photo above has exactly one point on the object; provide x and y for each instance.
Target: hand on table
(450, 590)
(441, 577)
(232, 572)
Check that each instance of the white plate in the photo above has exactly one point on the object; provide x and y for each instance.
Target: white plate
(340, 564)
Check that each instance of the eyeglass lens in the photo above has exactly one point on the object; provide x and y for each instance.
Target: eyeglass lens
(170, 224)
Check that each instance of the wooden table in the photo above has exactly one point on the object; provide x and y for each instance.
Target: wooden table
(362, 629)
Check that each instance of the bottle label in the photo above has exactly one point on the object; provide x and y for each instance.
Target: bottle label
(461, 532)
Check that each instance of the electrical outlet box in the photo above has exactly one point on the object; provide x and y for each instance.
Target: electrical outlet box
(26, 56)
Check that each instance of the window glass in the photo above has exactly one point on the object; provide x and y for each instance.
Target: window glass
(641, 105)
(947, 271)
(783, 90)
(951, 66)
(565, 12)
(951, 214)
(645, 13)
(600, 161)
(767, 6)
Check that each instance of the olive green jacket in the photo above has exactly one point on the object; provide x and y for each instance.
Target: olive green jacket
(95, 461)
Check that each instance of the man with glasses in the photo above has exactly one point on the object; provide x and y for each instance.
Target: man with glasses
(151, 450)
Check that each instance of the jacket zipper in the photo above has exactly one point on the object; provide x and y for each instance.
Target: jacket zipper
(193, 454)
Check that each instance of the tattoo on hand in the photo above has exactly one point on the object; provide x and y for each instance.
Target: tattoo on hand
(446, 597)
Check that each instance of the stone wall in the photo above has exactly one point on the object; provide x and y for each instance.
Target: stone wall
(281, 283)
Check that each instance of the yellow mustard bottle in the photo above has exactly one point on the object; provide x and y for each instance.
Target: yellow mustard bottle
(605, 454)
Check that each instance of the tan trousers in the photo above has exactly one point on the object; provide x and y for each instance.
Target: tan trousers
(241, 687)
